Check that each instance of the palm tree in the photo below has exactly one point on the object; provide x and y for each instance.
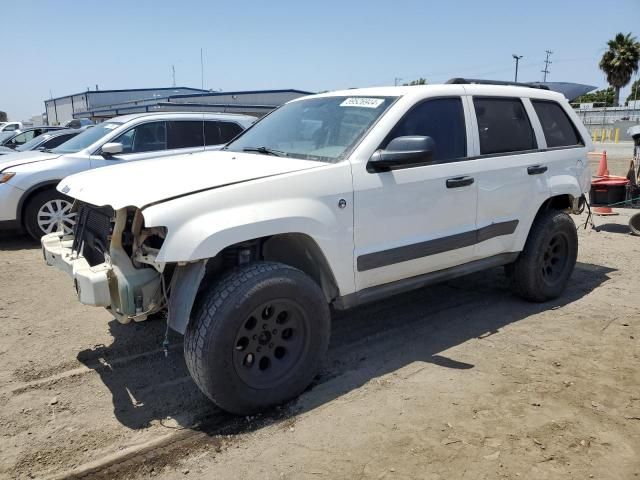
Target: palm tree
(620, 61)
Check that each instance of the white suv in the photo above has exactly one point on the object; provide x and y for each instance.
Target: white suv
(28, 198)
(333, 199)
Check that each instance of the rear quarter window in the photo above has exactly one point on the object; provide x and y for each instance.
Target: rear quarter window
(559, 130)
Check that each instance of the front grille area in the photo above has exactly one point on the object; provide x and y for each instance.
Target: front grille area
(92, 232)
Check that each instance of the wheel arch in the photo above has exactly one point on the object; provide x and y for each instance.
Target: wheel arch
(29, 194)
(295, 249)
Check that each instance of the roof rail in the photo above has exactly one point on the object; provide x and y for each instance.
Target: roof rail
(462, 81)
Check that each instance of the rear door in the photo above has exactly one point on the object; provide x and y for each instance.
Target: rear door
(512, 183)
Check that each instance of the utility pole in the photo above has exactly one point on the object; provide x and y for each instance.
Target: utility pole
(396, 81)
(173, 74)
(201, 70)
(517, 58)
(547, 62)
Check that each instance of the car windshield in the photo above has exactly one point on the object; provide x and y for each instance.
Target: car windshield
(321, 128)
(86, 138)
(33, 143)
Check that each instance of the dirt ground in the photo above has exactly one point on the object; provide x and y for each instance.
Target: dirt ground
(457, 381)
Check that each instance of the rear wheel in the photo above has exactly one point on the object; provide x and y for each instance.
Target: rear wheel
(48, 211)
(543, 269)
(257, 337)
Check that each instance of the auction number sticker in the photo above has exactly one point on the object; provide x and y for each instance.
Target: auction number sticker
(362, 102)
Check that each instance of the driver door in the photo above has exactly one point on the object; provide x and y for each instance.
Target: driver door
(147, 140)
(418, 219)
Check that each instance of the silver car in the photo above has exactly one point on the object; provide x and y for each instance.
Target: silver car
(28, 198)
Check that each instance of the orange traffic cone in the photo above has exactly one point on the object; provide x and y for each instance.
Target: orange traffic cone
(603, 211)
(603, 168)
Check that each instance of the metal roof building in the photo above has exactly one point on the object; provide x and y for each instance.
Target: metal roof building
(62, 109)
(121, 102)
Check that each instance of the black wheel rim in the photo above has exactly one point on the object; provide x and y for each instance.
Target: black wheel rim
(270, 343)
(555, 258)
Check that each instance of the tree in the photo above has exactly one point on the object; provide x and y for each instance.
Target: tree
(606, 96)
(635, 92)
(3, 116)
(420, 81)
(620, 61)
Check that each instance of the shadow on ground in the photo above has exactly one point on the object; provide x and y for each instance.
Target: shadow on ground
(367, 342)
(614, 228)
(13, 240)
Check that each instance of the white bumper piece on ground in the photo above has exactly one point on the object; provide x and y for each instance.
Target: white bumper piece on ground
(91, 283)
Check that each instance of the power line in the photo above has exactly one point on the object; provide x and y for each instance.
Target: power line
(547, 62)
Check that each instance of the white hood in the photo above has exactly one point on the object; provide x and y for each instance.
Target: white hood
(145, 182)
(22, 158)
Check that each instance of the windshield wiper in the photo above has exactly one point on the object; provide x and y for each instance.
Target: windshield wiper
(265, 151)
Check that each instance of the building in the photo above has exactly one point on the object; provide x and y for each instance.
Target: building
(100, 105)
(62, 109)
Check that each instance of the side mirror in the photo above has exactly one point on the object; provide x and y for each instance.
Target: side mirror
(109, 149)
(403, 152)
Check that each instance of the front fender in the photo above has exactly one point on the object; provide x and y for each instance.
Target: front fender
(184, 288)
(317, 203)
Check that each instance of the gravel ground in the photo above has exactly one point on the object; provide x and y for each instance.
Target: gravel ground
(459, 380)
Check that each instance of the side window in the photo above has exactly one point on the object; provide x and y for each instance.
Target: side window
(212, 133)
(56, 141)
(22, 138)
(228, 131)
(11, 127)
(184, 134)
(559, 130)
(148, 137)
(442, 119)
(504, 126)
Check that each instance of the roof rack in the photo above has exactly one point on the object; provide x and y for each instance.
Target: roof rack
(462, 81)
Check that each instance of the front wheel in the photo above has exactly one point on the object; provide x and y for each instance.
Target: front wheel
(48, 211)
(257, 337)
(543, 269)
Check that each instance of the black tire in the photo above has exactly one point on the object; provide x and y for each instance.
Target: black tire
(634, 224)
(544, 267)
(40, 200)
(225, 345)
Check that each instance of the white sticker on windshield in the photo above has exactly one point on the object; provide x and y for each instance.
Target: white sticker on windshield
(363, 102)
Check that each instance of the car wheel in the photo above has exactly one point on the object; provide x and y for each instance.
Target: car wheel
(257, 337)
(48, 211)
(634, 224)
(543, 268)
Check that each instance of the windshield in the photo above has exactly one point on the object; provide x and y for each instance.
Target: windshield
(86, 138)
(33, 143)
(324, 128)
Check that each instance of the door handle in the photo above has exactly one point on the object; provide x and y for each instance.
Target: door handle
(536, 170)
(458, 182)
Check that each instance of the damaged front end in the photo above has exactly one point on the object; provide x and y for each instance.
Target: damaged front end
(111, 257)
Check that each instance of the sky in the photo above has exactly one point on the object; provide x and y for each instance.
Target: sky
(63, 47)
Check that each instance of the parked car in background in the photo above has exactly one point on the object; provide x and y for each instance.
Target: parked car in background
(28, 197)
(79, 123)
(10, 126)
(46, 141)
(20, 137)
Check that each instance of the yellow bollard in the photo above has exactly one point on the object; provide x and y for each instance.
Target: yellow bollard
(604, 135)
(617, 136)
(595, 135)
